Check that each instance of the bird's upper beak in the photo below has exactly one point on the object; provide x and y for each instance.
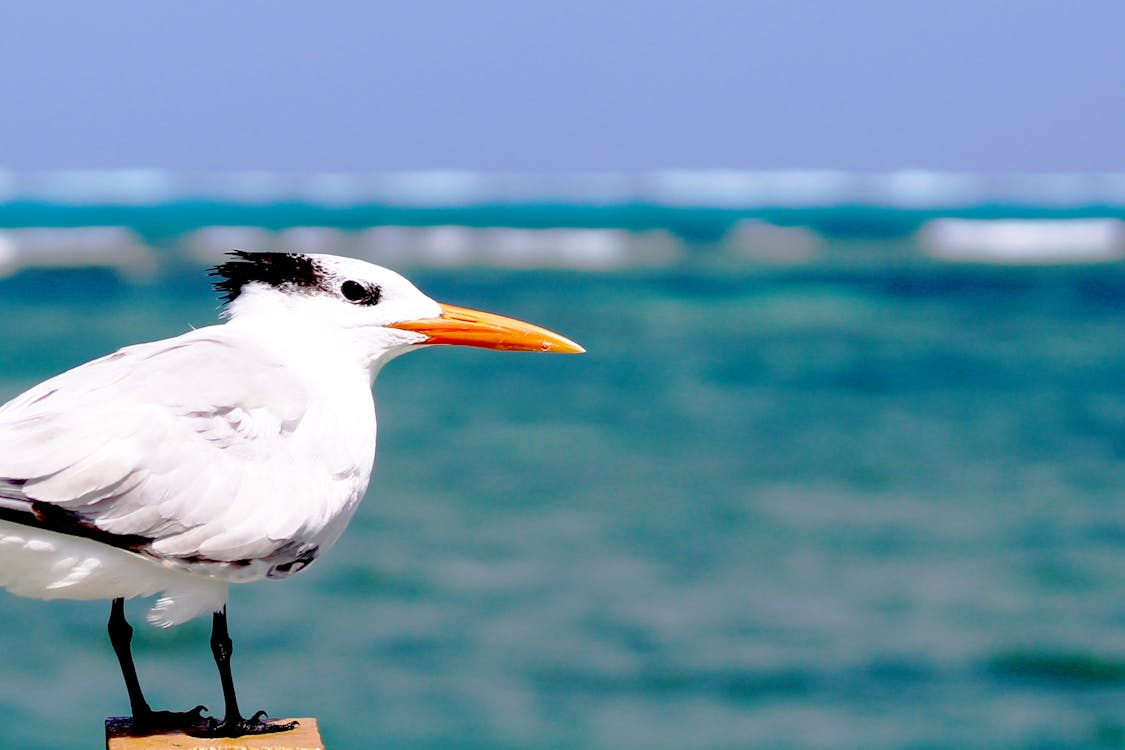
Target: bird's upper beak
(458, 325)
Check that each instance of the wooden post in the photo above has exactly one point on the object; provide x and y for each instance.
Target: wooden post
(305, 736)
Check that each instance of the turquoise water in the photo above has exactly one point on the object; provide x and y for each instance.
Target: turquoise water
(872, 506)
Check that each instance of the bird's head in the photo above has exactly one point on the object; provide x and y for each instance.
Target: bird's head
(373, 304)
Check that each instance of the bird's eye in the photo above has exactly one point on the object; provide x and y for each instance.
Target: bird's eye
(361, 294)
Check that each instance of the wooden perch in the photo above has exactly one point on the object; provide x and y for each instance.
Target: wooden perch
(306, 736)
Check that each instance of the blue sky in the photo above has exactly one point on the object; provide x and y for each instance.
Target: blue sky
(524, 85)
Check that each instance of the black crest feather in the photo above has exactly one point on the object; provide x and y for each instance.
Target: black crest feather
(278, 270)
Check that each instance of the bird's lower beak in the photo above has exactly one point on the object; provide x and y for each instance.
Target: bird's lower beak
(458, 325)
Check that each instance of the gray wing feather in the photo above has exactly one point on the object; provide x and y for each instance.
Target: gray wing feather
(176, 441)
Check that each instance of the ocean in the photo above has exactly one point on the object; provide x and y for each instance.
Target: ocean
(835, 472)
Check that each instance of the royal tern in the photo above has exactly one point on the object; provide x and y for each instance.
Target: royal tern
(228, 454)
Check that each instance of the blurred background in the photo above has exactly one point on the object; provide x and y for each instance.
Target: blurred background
(842, 466)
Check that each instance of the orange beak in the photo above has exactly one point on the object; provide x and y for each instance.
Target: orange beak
(458, 325)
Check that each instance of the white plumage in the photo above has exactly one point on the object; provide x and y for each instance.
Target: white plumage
(228, 454)
(207, 444)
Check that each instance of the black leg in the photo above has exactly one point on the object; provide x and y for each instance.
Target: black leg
(233, 725)
(145, 720)
(121, 637)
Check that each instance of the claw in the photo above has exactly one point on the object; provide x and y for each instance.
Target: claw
(239, 727)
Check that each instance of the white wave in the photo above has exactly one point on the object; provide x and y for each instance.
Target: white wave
(98, 187)
(338, 189)
(209, 244)
(1063, 189)
(450, 188)
(117, 248)
(918, 188)
(458, 188)
(8, 189)
(769, 243)
(734, 189)
(451, 246)
(1112, 188)
(504, 247)
(257, 187)
(585, 189)
(722, 189)
(315, 239)
(587, 249)
(1024, 240)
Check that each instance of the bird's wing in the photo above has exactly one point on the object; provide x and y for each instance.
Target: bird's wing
(186, 447)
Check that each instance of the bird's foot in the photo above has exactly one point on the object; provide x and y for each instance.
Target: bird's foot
(239, 727)
(159, 722)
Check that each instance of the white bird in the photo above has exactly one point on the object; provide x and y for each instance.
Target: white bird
(228, 454)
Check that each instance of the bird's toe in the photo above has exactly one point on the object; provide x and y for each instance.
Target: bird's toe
(240, 727)
(159, 722)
